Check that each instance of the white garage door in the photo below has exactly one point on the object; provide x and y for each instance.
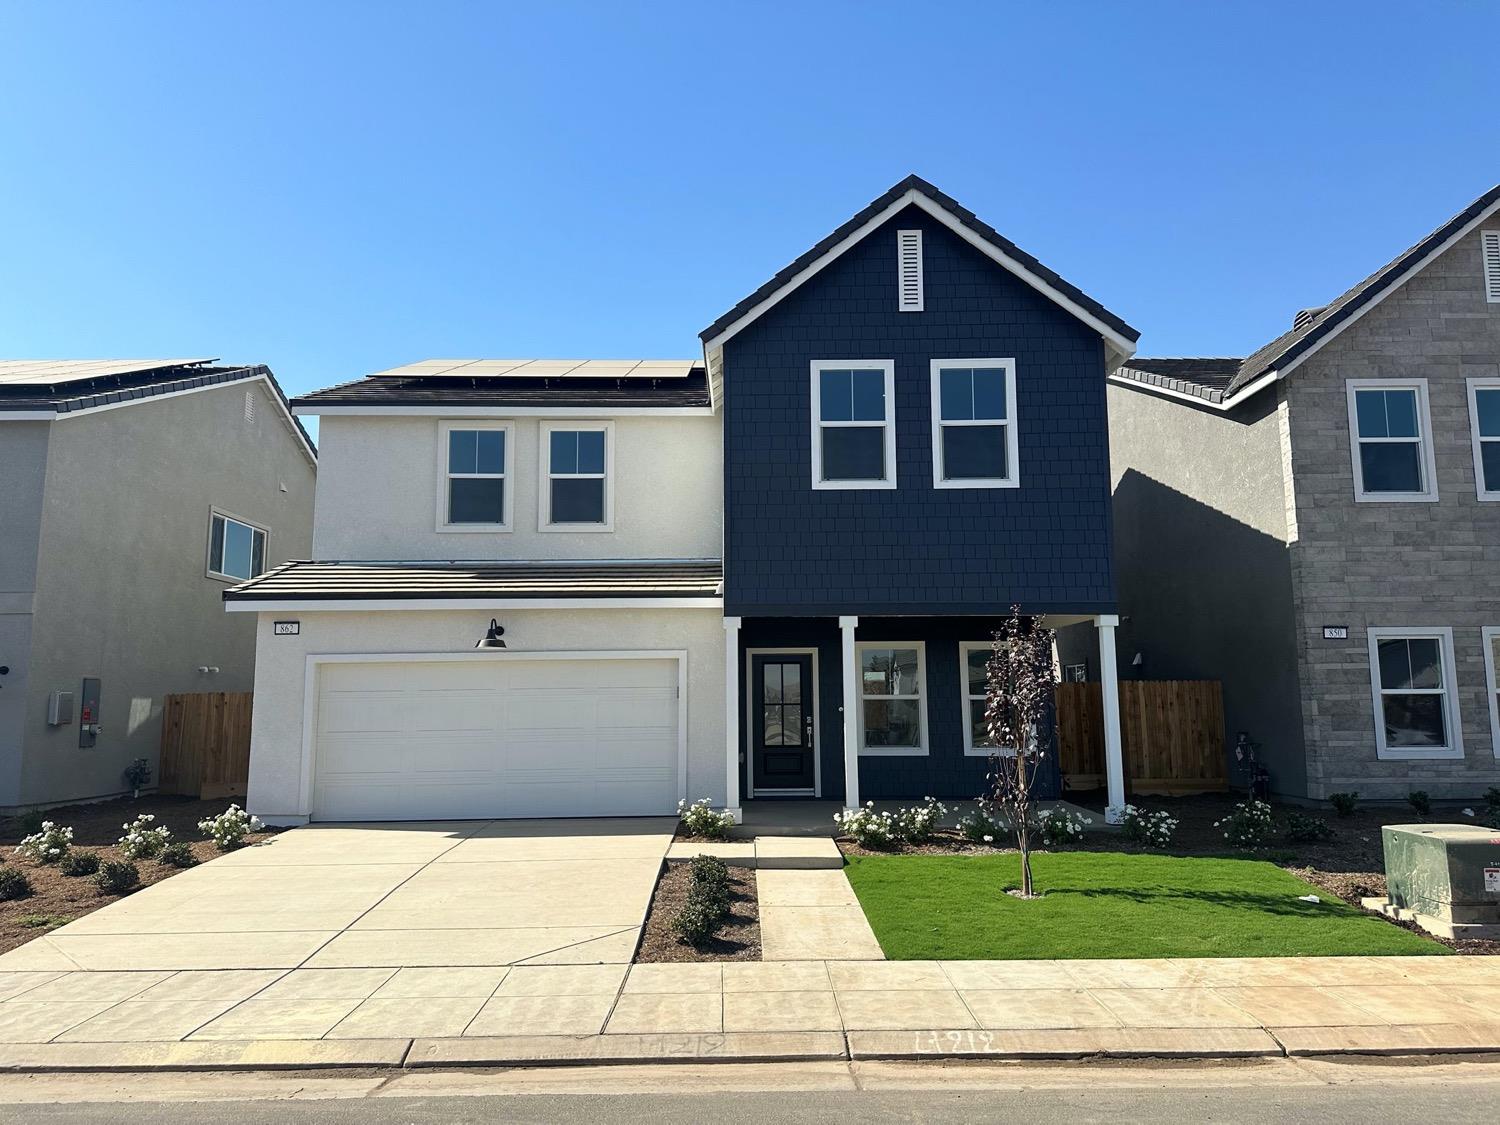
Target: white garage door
(501, 737)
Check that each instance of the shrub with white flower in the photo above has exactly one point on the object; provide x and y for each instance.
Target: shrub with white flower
(47, 846)
(699, 819)
(868, 828)
(1154, 829)
(978, 827)
(230, 827)
(141, 841)
(917, 824)
(1249, 825)
(1059, 826)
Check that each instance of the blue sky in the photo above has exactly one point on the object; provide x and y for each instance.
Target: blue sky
(336, 188)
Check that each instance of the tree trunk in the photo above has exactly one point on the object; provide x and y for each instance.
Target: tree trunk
(1024, 839)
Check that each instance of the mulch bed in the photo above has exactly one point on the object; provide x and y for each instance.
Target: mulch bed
(1350, 866)
(57, 898)
(738, 938)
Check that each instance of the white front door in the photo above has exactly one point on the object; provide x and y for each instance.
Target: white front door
(496, 737)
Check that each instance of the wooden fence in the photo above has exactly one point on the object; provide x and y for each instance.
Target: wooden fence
(205, 744)
(1172, 733)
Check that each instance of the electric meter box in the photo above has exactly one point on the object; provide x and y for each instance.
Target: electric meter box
(1448, 875)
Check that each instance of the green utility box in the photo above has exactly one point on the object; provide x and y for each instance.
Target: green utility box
(1445, 877)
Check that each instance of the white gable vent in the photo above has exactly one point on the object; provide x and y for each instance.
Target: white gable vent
(1489, 241)
(249, 406)
(909, 267)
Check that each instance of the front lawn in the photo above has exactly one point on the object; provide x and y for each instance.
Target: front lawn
(1110, 904)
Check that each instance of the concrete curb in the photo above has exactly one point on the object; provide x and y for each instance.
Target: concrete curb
(254, 1054)
(1385, 1039)
(558, 1050)
(1068, 1043)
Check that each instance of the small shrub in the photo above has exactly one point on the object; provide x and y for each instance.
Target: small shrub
(1249, 826)
(868, 828)
(14, 884)
(1492, 798)
(1420, 802)
(115, 878)
(229, 829)
(699, 819)
(918, 824)
(42, 921)
(1303, 829)
(709, 877)
(79, 863)
(696, 922)
(141, 841)
(179, 853)
(48, 845)
(978, 827)
(1059, 826)
(1154, 829)
(1343, 803)
(32, 821)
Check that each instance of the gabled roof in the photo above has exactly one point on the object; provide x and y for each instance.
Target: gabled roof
(915, 190)
(1205, 378)
(593, 384)
(42, 389)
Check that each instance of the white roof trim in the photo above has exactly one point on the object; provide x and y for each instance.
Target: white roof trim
(1119, 343)
(506, 411)
(1208, 404)
(366, 605)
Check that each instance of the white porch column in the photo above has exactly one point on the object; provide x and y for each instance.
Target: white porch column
(1109, 681)
(851, 716)
(732, 719)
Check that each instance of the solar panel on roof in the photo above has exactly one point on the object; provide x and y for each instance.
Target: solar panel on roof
(543, 368)
(37, 372)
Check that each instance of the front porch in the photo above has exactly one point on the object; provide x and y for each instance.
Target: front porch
(791, 744)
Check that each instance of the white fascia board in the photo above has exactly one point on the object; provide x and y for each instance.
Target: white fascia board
(506, 411)
(366, 605)
(1118, 344)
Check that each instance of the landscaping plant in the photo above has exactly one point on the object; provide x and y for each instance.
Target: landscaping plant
(1420, 802)
(707, 900)
(179, 853)
(977, 826)
(918, 824)
(1343, 803)
(230, 827)
(1059, 826)
(1154, 829)
(699, 819)
(13, 884)
(1492, 807)
(79, 863)
(1018, 691)
(48, 845)
(115, 878)
(141, 841)
(1304, 829)
(1250, 825)
(868, 828)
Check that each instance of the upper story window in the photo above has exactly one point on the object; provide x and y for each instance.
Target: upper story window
(1416, 701)
(853, 424)
(973, 424)
(1484, 420)
(476, 463)
(576, 492)
(1390, 438)
(893, 704)
(236, 549)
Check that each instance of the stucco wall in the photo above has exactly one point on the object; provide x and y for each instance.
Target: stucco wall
(1202, 564)
(23, 470)
(121, 590)
(276, 763)
(378, 494)
(1393, 564)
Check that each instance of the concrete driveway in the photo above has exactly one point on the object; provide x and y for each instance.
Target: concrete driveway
(474, 893)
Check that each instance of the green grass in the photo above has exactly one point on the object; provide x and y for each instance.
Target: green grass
(1107, 904)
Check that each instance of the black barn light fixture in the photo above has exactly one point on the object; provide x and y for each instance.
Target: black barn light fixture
(491, 638)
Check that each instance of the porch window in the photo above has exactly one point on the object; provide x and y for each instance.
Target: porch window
(893, 707)
(974, 659)
(1484, 418)
(1391, 446)
(974, 424)
(853, 424)
(1415, 697)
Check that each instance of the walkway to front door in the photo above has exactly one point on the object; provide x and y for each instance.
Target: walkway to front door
(781, 724)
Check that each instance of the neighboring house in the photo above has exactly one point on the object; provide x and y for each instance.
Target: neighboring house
(1317, 526)
(699, 568)
(134, 492)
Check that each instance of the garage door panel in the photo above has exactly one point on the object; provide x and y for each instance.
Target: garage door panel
(506, 738)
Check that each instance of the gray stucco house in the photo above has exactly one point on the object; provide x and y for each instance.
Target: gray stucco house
(135, 492)
(1318, 526)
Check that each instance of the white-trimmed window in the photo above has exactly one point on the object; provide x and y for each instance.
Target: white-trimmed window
(974, 659)
(853, 423)
(236, 548)
(577, 475)
(1484, 422)
(1415, 693)
(1490, 635)
(1390, 440)
(973, 424)
(474, 465)
(893, 697)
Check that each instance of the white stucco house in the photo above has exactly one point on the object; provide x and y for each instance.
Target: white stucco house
(602, 481)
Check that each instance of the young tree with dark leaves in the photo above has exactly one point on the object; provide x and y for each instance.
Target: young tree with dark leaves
(1019, 681)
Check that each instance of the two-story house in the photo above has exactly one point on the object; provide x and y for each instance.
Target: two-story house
(132, 493)
(774, 573)
(1317, 525)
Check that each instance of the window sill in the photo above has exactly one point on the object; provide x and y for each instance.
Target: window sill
(853, 485)
(228, 579)
(1422, 754)
(892, 752)
(580, 527)
(472, 528)
(987, 752)
(1395, 498)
